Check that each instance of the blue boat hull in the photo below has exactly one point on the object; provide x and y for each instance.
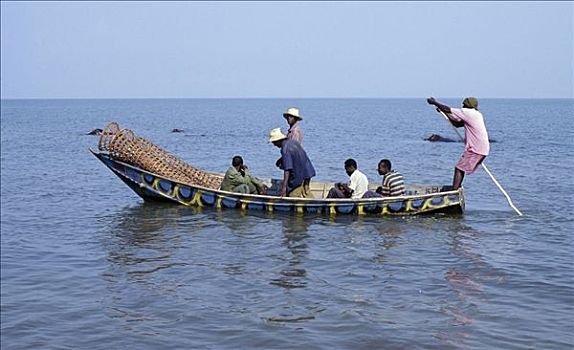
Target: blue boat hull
(152, 187)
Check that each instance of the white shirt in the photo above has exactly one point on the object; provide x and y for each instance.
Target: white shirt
(359, 184)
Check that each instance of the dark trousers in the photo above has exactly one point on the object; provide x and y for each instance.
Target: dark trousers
(336, 193)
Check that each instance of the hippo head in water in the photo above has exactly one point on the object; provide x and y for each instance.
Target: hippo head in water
(95, 132)
(438, 138)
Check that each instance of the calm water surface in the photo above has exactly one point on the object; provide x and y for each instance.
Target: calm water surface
(85, 264)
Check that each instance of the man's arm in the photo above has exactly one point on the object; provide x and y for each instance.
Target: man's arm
(286, 175)
(348, 191)
(236, 178)
(254, 180)
(259, 185)
(385, 190)
(287, 162)
(446, 110)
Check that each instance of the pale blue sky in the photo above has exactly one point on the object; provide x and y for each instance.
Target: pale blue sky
(286, 49)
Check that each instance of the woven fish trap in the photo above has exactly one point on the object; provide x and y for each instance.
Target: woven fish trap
(107, 134)
(125, 146)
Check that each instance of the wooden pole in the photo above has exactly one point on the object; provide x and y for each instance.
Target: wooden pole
(485, 169)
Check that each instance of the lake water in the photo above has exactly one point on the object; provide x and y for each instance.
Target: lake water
(86, 264)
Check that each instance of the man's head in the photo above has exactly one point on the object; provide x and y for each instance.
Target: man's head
(292, 115)
(350, 166)
(384, 166)
(470, 102)
(291, 120)
(237, 161)
(276, 137)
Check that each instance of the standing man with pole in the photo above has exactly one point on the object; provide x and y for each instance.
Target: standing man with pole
(477, 145)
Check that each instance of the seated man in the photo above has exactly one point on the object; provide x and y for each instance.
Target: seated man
(237, 179)
(393, 183)
(357, 186)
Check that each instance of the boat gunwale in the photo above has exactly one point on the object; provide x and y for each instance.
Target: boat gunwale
(300, 200)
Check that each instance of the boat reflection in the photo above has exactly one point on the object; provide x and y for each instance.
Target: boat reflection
(141, 235)
(140, 242)
(295, 236)
(389, 236)
(465, 279)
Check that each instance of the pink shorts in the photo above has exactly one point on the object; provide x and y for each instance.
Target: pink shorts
(469, 161)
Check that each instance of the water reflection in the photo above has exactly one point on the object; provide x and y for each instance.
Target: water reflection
(140, 243)
(464, 279)
(295, 237)
(295, 304)
(243, 234)
(390, 232)
(139, 236)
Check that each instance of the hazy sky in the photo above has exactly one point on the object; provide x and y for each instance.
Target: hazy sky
(286, 49)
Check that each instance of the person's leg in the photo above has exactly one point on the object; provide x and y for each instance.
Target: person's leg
(466, 165)
(335, 193)
(307, 189)
(372, 194)
(296, 192)
(243, 188)
(252, 188)
(457, 178)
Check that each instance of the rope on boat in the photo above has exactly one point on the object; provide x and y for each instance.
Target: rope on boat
(125, 146)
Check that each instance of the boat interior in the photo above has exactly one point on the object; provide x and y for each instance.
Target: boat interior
(319, 190)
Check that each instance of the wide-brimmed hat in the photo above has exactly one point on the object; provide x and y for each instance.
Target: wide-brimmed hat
(276, 135)
(293, 112)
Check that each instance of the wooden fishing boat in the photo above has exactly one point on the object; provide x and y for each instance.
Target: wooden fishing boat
(152, 187)
(167, 178)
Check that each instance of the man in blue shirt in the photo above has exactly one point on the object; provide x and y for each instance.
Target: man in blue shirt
(297, 167)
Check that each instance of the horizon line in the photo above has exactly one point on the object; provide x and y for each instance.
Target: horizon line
(274, 98)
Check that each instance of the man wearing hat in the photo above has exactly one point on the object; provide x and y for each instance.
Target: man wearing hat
(293, 117)
(297, 167)
(477, 145)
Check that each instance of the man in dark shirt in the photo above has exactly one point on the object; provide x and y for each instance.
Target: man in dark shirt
(297, 167)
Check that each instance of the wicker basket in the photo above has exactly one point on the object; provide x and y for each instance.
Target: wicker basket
(124, 145)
